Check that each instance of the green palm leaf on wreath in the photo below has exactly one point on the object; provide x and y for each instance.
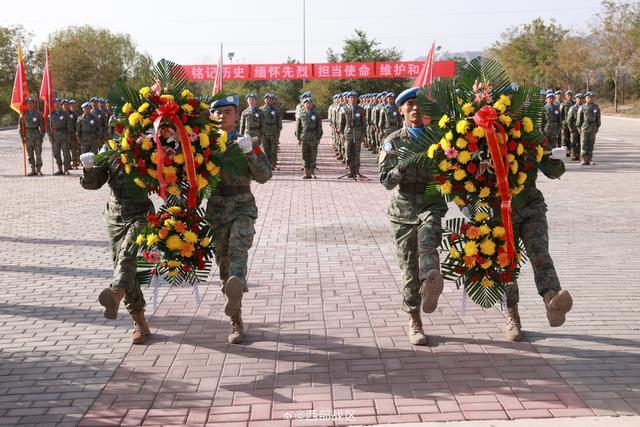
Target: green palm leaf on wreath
(484, 296)
(171, 76)
(485, 70)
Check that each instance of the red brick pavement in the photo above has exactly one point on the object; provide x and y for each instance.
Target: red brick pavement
(325, 333)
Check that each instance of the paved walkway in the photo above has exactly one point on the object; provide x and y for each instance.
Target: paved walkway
(326, 339)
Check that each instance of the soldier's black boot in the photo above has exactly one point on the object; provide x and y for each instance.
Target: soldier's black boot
(513, 330)
(416, 334)
(233, 290)
(33, 173)
(39, 170)
(430, 291)
(558, 304)
(59, 171)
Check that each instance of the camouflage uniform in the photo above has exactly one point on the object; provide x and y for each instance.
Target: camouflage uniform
(124, 215)
(572, 116)
(353, 126)
(416, 220)
(252, 123)
(588, 121)
(389, 119)
(551, 124)
(232, 212)
(31, 125)
(565, 131)
(88, 132)
(272, 127)
(74, 145)
(58, 130)
(309, 131)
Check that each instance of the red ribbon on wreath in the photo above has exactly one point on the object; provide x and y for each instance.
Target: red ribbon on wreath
(169, 111)
(486, 118)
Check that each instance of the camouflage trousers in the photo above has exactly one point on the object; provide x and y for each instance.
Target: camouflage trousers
(530, 224)
(89, 147)
(565, 137)
(34, 153)
(575, 144)
(551, 134)
(270, 147)
(588, 141)
(309, 153)
(417, 254)
(61, 152)
(121, 234)
(231, 244)
(74, 148)
(352, 152)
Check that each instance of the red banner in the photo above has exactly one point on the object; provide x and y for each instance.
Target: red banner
(336, 70)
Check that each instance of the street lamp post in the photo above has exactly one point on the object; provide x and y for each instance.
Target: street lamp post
(304, 35)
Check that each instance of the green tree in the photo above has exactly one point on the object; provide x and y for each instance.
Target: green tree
(576, 61)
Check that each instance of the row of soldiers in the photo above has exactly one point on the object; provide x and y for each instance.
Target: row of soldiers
(70, 132)
(571, 123)
(264, 123)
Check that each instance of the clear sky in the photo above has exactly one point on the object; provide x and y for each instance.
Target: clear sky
(259, 31)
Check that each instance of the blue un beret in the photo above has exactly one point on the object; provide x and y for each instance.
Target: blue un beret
(86, 105)
(93, 99)
(589, 94)
(569, 92)
(391, 94)
(30, 100)
(251, 95)
(55, 99)
(65, 101)
(223, 102)
(73, 101)
(344, 94)
(549, 91)
(550, 95)
(352, 93)
(579, 95)
(406, 95)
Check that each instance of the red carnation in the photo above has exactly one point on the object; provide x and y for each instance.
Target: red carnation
(459, 270)
(480, 178)
(453, 237)
(527, 166)
(517, 125)
(196, 129)
(472, 168)
(512, 146)
(194, 103)
(472, 147)
(207, 152)
(469, 137)
(119, 128)
(168, 161)
(506, 277)
(186, 267)
(185, 119)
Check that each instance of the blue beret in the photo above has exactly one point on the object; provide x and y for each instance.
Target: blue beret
(579, 95)
(558, 92)
(352, 93)
(65, 101)
(391, 94)
(513, 87)
(86, 105)
(30, 100)
(549, 91)
(335, 96)
(344, 94)
(251, 95)
(55, 99)
(93, 99)
(589, 94)
(73, 101)
(223, 102)
(406, 95)
(542, 92)
(267, 95)
(550, 95)
(569, 92)
(307, 99)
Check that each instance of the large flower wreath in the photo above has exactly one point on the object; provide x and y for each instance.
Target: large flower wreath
(169, 144)
(483, 147)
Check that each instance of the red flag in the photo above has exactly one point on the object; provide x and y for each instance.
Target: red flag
(46, 89)
(20, 91)
(426, 72)
(217, 82)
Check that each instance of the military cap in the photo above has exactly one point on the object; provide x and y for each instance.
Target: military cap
(542, 92)
(335, 96)
(558, 92)
(93, 99)
(344, 94)
(550, 95)
(391, 94)
(579, 95)
(511, 88)
(589, 94)
(352, 93)
(307, 99)
(65, 101)
(30, 100)
(72, 101)
(406, 95)
(569, 92)
(251, 95)
(267, 95)
(223, 102)
(86, 105)
(55, 99)
(549, 91)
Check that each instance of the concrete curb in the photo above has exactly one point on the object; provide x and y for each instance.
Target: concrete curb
(626, 421)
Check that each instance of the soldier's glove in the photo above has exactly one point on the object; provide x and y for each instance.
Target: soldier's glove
(558, 153)
(87, 160)
(245, 144)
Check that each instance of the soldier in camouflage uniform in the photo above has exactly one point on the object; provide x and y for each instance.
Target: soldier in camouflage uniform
(31, 127)
(352, 125)
(125, 214)
(252, 120)
(551, 121)
(389, 119)
(279, 115)
(232, 212)
(309, 131)
(300, 105)
(416, 219)
(74, 145)
(271, 129)
(572, 116)
(588, 121)
(106, 116)
(529, 220)
(58, 130)
(88, 130)
(565, 131)
(332, 123)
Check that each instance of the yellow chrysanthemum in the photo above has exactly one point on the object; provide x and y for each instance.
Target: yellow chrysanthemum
(204, 106)
(500, 106)
(187, 94)
(125, 144)
(174, 242)
(222, 143)
(152, 239)
(146, 91)
(470, 248)
(448, 136)
(484, 229)
(173, 189)
(522, 177)
(444, 121)
(467, 108)
(431, 151)
(174, 210)
(478, 132)
(169, 222)
(187, 108)
(446, 188)
(199, 158)
(461, 143)
(146, 144)
(204, 140)
(170, 172)
(172, 273)
(202, 182)
(139, 183)
(166, 97)
(173, 263)
(112, 144)
(178, 158)
(470, 187)
(152, 173)
(127, 108)
(481, 216)
(514, 167)
(213, 168)
(505, 119)
(527, 124)
(464, 157)
(517, 190)
(486, 264)
(510, 158)
(140, 239)
(190, 236)
(455, 254)
(124, 159)
(488, 247)
(462, 126)
(539, 153)
(520, 150)
(504, 99)
(127, 169)
(498, 232)
(444, 165)
(515, 134)
(458, 201)
(135, 118)
(487, 283)
(459, 174)
(144, 107)
(204, 242)
(444, 144)
(484, 192)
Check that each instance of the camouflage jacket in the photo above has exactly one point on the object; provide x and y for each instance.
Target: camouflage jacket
(232, 197)
(550, 117)
(352, 121)
(564, 113)
(270, 115)
(122, 205)
(88, 128)
(588, 119)
(73, 119)
(389, 119)
(252, 122)
(410, 206)
(572, 116)
(58, 124)
(308, 126)
(31, 125)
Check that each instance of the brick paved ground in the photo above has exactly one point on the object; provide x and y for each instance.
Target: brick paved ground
(324, 328)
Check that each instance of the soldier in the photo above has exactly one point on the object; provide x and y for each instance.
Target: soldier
(308, 131)
(232, 212)
(557, 98)
(74, 145)
(572, 116)
(58, 131)
(300, 105)
(565, 131)
(530, 224)
(271, 129)
(416, 219)
(369, 119)
(331, 112)
(105, 115)
(125, 214)
(353, 126)
(389, 118)
(252, 120)
(31, 126)
(551, 121)
(279, 115)
(88, 130)
(588, 121)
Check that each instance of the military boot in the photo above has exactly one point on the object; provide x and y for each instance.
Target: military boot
(307, 174)
(236, 335)
(39, 170)
(233, 290)
(430, 290)
(313, 173)
(110, 300)
(513, 330)
(33, 172)
(140, 328)
(59, 171)
(416, 334)
(558, 304)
